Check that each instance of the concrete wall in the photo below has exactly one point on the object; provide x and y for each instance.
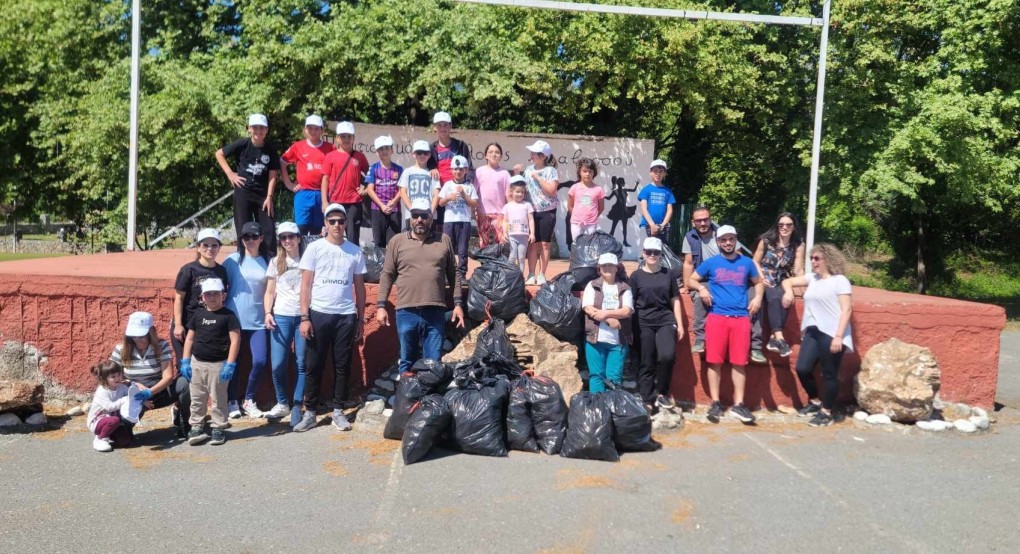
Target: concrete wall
(76, 321)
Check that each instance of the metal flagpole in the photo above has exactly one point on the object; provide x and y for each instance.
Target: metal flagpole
(816, 146)
(136, 33)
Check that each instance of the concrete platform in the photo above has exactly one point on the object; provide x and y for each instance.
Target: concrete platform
(73, 310)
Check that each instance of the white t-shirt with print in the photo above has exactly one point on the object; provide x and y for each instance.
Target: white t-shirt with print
(821, 305)
(458, 211)
(610, 301)
(335, 267)
(288, 287)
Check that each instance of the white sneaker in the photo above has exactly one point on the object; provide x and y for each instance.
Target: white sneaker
(278, 411)
(233, 409)
(340, 421)
(531, 280)
(251, 409)
(101, 445)
(540, 279)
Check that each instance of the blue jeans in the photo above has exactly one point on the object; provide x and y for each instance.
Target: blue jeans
(287, 330)
(605, 363)
(421, 332)
(258, 342)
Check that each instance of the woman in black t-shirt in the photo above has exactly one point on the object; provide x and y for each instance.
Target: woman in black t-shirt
(258, 164)
(189, 284)
(660, 325)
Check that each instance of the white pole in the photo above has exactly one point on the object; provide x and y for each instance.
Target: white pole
(816, 146)
(136, 34)
(650, 12)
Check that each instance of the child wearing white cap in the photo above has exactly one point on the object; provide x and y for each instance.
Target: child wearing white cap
(307, 156)
(441, 151)
(342, 181)
(608, 305)
(543, 181)
(254, 182)
(416, 182)
(656, 201)
(382, 179)
(460, 199)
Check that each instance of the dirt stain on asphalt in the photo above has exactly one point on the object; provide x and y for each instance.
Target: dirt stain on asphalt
(682, 513)
(574, 479)
(334, 468)
(380, 451)
(580, 543)
(147, 458)
(739, 458)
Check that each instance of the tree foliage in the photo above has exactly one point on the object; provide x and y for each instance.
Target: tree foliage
(922, 111)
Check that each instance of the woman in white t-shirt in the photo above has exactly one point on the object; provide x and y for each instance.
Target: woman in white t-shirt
(825, 328)
(283, 319)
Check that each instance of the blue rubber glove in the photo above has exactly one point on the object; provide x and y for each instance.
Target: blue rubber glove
(228, 371)
(185, 369)
(143, 395)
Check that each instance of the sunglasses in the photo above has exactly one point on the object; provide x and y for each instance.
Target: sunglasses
(288, 236)
(703, 220)
(817, 258)
(653, 252)
(339, 221)
(209, 245)
(250, 237)
(785, 224)
(420, 215)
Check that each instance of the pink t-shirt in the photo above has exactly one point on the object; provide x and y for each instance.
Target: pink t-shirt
(491, 185)
(586, 203)
(516, 214)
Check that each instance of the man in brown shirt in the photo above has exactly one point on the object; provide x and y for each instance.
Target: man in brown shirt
(421, 263)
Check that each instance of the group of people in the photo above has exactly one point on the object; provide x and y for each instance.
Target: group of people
(280, 293)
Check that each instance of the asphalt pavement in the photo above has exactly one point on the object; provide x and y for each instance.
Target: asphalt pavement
(780, 486)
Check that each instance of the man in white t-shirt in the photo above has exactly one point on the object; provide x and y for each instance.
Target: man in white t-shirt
(332, 311)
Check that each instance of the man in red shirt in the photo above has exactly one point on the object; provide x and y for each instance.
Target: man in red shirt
(307, 157)
(343, 175)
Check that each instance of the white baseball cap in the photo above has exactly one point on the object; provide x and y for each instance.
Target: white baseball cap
(257, 119)
(657, 163)
(383, 141)
(421, 205)
(287, 227)
(138, 324)
(212, 284)
(421, 146)
(345, 128)
(313, 120)
(518, 179)
(541, 147)
(652, 243)
(609, 259)
(442, 117)
(459, 162)
(208, 233)
(334, 207)
(725, 230)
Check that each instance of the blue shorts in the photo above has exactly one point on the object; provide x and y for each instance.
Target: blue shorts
(308, 209)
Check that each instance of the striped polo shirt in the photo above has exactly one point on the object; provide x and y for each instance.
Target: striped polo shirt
(143, 367)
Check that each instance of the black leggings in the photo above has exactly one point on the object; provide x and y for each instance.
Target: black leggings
(814, 347)
(354, 216)
(248, 207)
(658, 354)
(774, 307)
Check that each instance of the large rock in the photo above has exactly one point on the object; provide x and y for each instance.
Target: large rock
(536, 350)
(20, 394)
(899, 380)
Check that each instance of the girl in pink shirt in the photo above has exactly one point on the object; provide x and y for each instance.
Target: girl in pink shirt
(586, 201)
(492, 182)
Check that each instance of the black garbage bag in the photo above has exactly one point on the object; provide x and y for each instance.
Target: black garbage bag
(496, 250)
(427, 376)
(555, 309)
(374, 257)
(586, 249)
(479, 412)
(494, 339)
(520, 432)
(490, 366)
(589, 429)
(632, 425)
(430, 419)
(542, 400)
(496, 290)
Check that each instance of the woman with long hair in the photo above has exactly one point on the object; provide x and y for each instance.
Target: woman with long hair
(247, 271)
(780, 255)
(283, 319)
(825, 328)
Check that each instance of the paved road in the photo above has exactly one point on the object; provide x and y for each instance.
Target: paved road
(779, 487)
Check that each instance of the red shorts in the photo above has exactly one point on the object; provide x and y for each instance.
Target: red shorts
(727, 335)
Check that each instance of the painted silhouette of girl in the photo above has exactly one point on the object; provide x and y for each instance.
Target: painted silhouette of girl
(621, 212)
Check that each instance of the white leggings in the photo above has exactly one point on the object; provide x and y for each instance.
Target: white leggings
(578, 229)
(519, 251)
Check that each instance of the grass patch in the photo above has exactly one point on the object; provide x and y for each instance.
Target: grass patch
(10, 257)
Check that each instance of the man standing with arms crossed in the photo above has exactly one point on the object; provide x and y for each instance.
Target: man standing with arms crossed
(332, 312)
(728, 323)
(421, 263)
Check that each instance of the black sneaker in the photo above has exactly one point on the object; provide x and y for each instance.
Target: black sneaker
(821, 419)
(218, 437)
(742, 413)
(810, 409)
(784, 348)
(715, 411)
(757, 357)
(698, 347)
(664, 402)
(197, 435)
(773, 345)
